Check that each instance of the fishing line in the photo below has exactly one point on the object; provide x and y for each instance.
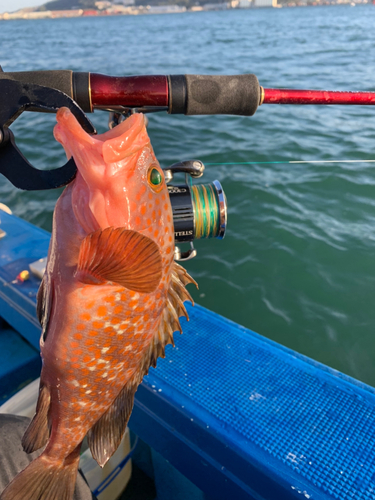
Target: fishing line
(291, 161)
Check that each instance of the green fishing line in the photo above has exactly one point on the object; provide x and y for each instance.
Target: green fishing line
(206, 210)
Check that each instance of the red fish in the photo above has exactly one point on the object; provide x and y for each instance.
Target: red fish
(109, 302)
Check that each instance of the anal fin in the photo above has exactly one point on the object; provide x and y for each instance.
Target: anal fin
(38, 432)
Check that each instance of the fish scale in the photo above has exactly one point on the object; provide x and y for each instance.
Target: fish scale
(109, 302)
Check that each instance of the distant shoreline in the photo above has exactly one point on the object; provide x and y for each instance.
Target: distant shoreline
(30, 14)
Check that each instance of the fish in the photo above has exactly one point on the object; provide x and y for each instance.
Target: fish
(109, 302)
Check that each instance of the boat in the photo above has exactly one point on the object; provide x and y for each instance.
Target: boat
(228, 413)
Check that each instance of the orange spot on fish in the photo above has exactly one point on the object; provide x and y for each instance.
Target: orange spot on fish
(168, 250)
(157, 201)
(86, 358)
(156, 233)
(74, 344)
(115, 321)
(169, 218)
(89, 342)
(98, 324)
(85, 316)
(166, 206)
(143, 209)
(137, 221)
(102, 311)
(93, 333)
(81, 327)
(78, 336)
(118, 310)
(150, 196)
(90, 304)
(109, 298)
(153, 214)
(148, 221)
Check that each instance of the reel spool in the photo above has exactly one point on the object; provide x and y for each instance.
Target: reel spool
(199, 210)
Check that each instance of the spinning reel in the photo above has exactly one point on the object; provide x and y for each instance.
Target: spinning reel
(199, 210)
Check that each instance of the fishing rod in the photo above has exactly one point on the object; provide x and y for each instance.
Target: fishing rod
(199, 210)
(180, 94)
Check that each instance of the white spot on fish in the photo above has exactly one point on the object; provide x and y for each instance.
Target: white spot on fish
(75, 383)
(88, 392)
(91, 368)
(101, 361)
(105, 375)
(105, 349)
(128, 347)
(82, 403)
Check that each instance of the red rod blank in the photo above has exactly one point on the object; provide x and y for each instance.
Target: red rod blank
(287, 96)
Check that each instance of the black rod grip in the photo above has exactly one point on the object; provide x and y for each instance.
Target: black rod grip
(214, 94)
(75, 85)
(59, 79)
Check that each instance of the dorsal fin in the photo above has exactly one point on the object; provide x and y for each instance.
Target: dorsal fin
(121, 256)
(169, 322)
(105, 436)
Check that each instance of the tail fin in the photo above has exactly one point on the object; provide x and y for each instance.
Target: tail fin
(44, 480)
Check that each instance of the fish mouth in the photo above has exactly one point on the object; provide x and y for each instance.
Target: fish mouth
(114, 145)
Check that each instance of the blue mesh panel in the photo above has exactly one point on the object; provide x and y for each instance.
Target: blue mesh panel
(311, 419)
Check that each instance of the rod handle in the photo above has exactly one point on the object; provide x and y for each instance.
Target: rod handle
(214, 94)
(75, 84)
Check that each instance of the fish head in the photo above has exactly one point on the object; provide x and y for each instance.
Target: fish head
(119, 182)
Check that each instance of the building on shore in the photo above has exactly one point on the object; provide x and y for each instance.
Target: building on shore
(264, 3)
(67, 13)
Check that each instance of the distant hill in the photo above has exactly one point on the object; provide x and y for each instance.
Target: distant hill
(68, 4)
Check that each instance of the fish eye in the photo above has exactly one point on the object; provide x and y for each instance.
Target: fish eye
(155, 178)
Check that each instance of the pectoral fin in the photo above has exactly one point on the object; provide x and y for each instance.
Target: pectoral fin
(121, 256)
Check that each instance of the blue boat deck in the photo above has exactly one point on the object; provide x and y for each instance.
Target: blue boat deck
(240, 416)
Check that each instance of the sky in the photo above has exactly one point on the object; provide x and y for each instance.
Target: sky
(12, 5)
